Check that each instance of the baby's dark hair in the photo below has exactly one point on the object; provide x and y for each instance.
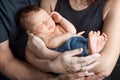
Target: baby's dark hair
(25, 13)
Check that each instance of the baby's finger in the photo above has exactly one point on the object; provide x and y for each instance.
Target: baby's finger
(80, 33)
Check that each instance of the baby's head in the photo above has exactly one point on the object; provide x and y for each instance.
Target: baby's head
(36, 20)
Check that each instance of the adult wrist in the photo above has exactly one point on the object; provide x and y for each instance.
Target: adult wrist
(56, 67)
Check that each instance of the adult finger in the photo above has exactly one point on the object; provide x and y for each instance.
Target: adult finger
(78, 75)
(73, 52)
(86, 73)
(35, 42)
(88, 67)
(73, 76)
(88, 59)
(31, 36)
(99, 76)
(29, 33)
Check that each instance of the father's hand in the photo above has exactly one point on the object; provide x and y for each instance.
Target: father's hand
(35, 43)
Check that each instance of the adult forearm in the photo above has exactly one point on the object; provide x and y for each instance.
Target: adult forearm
(109, 55)
(44, 65)
(107, 63)
(111, 27)
(17, 70)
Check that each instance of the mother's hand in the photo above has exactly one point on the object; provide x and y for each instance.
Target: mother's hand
(68, 62)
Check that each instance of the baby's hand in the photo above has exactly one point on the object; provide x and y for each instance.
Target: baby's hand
(56, 16)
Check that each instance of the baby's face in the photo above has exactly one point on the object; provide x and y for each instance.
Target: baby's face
(41, 22)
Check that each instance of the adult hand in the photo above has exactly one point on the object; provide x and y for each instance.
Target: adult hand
(35, 43)
(68, 62)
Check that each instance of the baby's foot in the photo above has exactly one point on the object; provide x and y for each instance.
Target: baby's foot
(102, 41)
(96, 41)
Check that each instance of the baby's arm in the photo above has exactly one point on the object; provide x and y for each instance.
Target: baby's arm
(43, 40)
(54, 42)
(65, 24)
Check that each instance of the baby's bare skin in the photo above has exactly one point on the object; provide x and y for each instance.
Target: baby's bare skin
(96, 41)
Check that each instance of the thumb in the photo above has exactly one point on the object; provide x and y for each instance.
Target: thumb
(74, 52)
(31, 35)
(28, 32)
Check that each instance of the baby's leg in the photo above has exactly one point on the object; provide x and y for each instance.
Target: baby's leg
(96, 41)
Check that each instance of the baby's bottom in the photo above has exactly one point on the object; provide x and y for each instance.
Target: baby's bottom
(74, 43)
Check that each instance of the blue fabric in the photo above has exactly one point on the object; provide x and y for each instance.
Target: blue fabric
(74, 43)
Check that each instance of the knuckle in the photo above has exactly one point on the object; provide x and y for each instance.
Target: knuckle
(86, 62)
(86, 59)
(69, 77)
(75, 68)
